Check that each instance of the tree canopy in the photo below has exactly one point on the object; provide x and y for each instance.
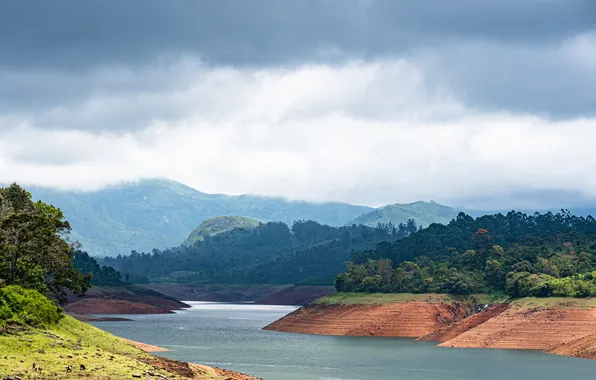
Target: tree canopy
(306, 252)
(522, 255)
(33, 251)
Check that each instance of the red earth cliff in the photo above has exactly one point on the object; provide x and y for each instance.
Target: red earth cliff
(411, 319)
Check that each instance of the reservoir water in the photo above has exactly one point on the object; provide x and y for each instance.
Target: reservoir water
(230, 336)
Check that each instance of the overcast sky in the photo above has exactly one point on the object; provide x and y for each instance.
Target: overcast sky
(467, 102)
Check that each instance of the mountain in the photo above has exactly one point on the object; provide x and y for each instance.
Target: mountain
(217, 225)
(424, 213)
(161, 213)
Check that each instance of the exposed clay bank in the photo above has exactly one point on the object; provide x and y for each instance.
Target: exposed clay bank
(560, 326)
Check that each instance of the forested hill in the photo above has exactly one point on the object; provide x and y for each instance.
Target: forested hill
(218, 225)
(424, 213)
(162, 213)
(306, 252)
(522, 255)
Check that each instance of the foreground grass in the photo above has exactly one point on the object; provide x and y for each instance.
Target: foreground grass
(89, 351)
(343, 298)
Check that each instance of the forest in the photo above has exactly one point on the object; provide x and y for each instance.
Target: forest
(306, 252)
(515, 254)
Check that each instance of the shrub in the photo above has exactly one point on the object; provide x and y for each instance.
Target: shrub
(27, 306)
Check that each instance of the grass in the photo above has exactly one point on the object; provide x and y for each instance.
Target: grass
(72, 343)
(553, 302)
(343, 298)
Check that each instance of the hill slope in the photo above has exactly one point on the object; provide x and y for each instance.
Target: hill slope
(161, 213)
(424, 213)
(217, 225)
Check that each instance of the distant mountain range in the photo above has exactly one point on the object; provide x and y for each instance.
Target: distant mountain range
(162, 213)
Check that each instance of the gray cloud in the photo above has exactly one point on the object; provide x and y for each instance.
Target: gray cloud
(362, 101)
(493, 54)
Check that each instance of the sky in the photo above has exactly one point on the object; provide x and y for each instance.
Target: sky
(472, 103)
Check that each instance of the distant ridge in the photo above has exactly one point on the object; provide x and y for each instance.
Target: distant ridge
(424, 213)
(156, 213)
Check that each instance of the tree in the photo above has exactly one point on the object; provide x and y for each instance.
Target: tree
(33, 253)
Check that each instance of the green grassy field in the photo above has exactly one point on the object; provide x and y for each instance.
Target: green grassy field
(75, 344)
(342, 298)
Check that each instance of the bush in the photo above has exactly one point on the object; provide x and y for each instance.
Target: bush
(27, 306)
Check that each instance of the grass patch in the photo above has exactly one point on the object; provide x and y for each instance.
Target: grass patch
(553, 302)
(343, 298)
(72, 343)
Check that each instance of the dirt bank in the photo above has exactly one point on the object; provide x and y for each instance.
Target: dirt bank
(584, 348)
(296, 295)
(126, 299)
(188, 370)
(411, 319)
(145, 347)
(559, 326)
(451, 331)
(529, 328)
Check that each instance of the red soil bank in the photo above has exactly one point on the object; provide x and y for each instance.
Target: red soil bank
(107, 306)
(412, 319)
(526, 328)
(584, 348)
(460, 327)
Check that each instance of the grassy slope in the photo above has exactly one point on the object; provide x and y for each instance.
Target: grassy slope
(161, 213)
(104, 355)
(218, 225)
(424, 213)
(343, 298)
(554, 302)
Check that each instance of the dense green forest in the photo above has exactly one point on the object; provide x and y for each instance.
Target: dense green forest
(306, 252)
(100, 274)
(518, 254)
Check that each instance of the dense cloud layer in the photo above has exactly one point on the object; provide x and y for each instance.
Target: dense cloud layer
(365, 101)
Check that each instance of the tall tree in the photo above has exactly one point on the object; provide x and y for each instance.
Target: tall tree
(33, 252)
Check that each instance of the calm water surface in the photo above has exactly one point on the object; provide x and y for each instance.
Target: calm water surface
(230, 336)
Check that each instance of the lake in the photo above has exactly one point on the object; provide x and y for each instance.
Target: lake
(230, 336)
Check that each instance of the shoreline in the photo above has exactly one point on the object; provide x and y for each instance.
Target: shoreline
(563, 327)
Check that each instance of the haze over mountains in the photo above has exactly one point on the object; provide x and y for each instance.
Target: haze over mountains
(162, 213)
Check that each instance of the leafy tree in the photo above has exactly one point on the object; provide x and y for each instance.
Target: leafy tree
(33, 253)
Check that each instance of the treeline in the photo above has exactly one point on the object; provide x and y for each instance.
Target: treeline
(33, 253)
(518, 254)
(306, 252)
(100, 274)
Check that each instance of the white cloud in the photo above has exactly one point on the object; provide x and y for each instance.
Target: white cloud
(362, 132)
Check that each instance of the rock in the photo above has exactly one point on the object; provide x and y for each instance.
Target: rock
(82, 367)
(59, 342)
(41, 351)
(136, 375)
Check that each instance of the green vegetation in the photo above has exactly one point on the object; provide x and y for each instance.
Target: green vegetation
(217, 225)
(32, 251)
(70, 349)
(270, 253)
(423, 213)
(26, 307)
(541, 255)
(161, 213)
(344, 298)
